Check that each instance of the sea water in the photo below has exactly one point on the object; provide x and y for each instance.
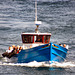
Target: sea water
(58, 18)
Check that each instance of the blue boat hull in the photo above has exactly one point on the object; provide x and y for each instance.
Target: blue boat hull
(47, 52)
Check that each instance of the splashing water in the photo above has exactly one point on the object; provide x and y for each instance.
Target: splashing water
(65, 64)
(42, 64)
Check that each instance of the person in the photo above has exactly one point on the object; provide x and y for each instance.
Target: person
(30, 46)
(9, 50)
(14, 52)
(60, 44)
(6, 54)
(18, 49)
(13, 46)
(64, 45)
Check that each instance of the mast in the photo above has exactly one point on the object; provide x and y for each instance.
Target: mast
(37, 23)
(35, 10)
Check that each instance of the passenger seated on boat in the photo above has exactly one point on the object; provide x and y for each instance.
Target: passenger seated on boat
(14, 52)
(20, 48)
(30, 46)
(9, 50)
(13, 46)
(60, 44)
(64, 45)
(6, 54)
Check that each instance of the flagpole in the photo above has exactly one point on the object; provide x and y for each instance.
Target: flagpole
(35, 10)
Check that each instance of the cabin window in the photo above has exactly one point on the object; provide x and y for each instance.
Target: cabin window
(42, 38)
(47, 39)
(38, 38)
(27, 39)
(35, 38)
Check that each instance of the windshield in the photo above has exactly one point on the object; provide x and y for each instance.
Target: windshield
(35, 39)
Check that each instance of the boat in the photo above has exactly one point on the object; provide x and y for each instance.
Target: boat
(40, 51)
(38, 47)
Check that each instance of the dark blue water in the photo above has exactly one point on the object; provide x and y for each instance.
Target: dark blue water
(58, 18)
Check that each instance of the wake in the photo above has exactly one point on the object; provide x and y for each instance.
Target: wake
(66, 64)
(42, 64)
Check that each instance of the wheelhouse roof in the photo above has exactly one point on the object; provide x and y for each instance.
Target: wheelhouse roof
(36, 34)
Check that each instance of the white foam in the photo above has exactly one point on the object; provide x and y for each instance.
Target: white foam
(63, 65)
(42, 64)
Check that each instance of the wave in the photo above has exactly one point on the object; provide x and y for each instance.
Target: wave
(5, 28)
(12, 62)
(53, 1)
(42, 64)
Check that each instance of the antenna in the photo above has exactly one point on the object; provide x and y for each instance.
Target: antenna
(35, 10)
(37, 23)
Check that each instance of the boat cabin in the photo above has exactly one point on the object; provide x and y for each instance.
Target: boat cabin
(35, 39)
